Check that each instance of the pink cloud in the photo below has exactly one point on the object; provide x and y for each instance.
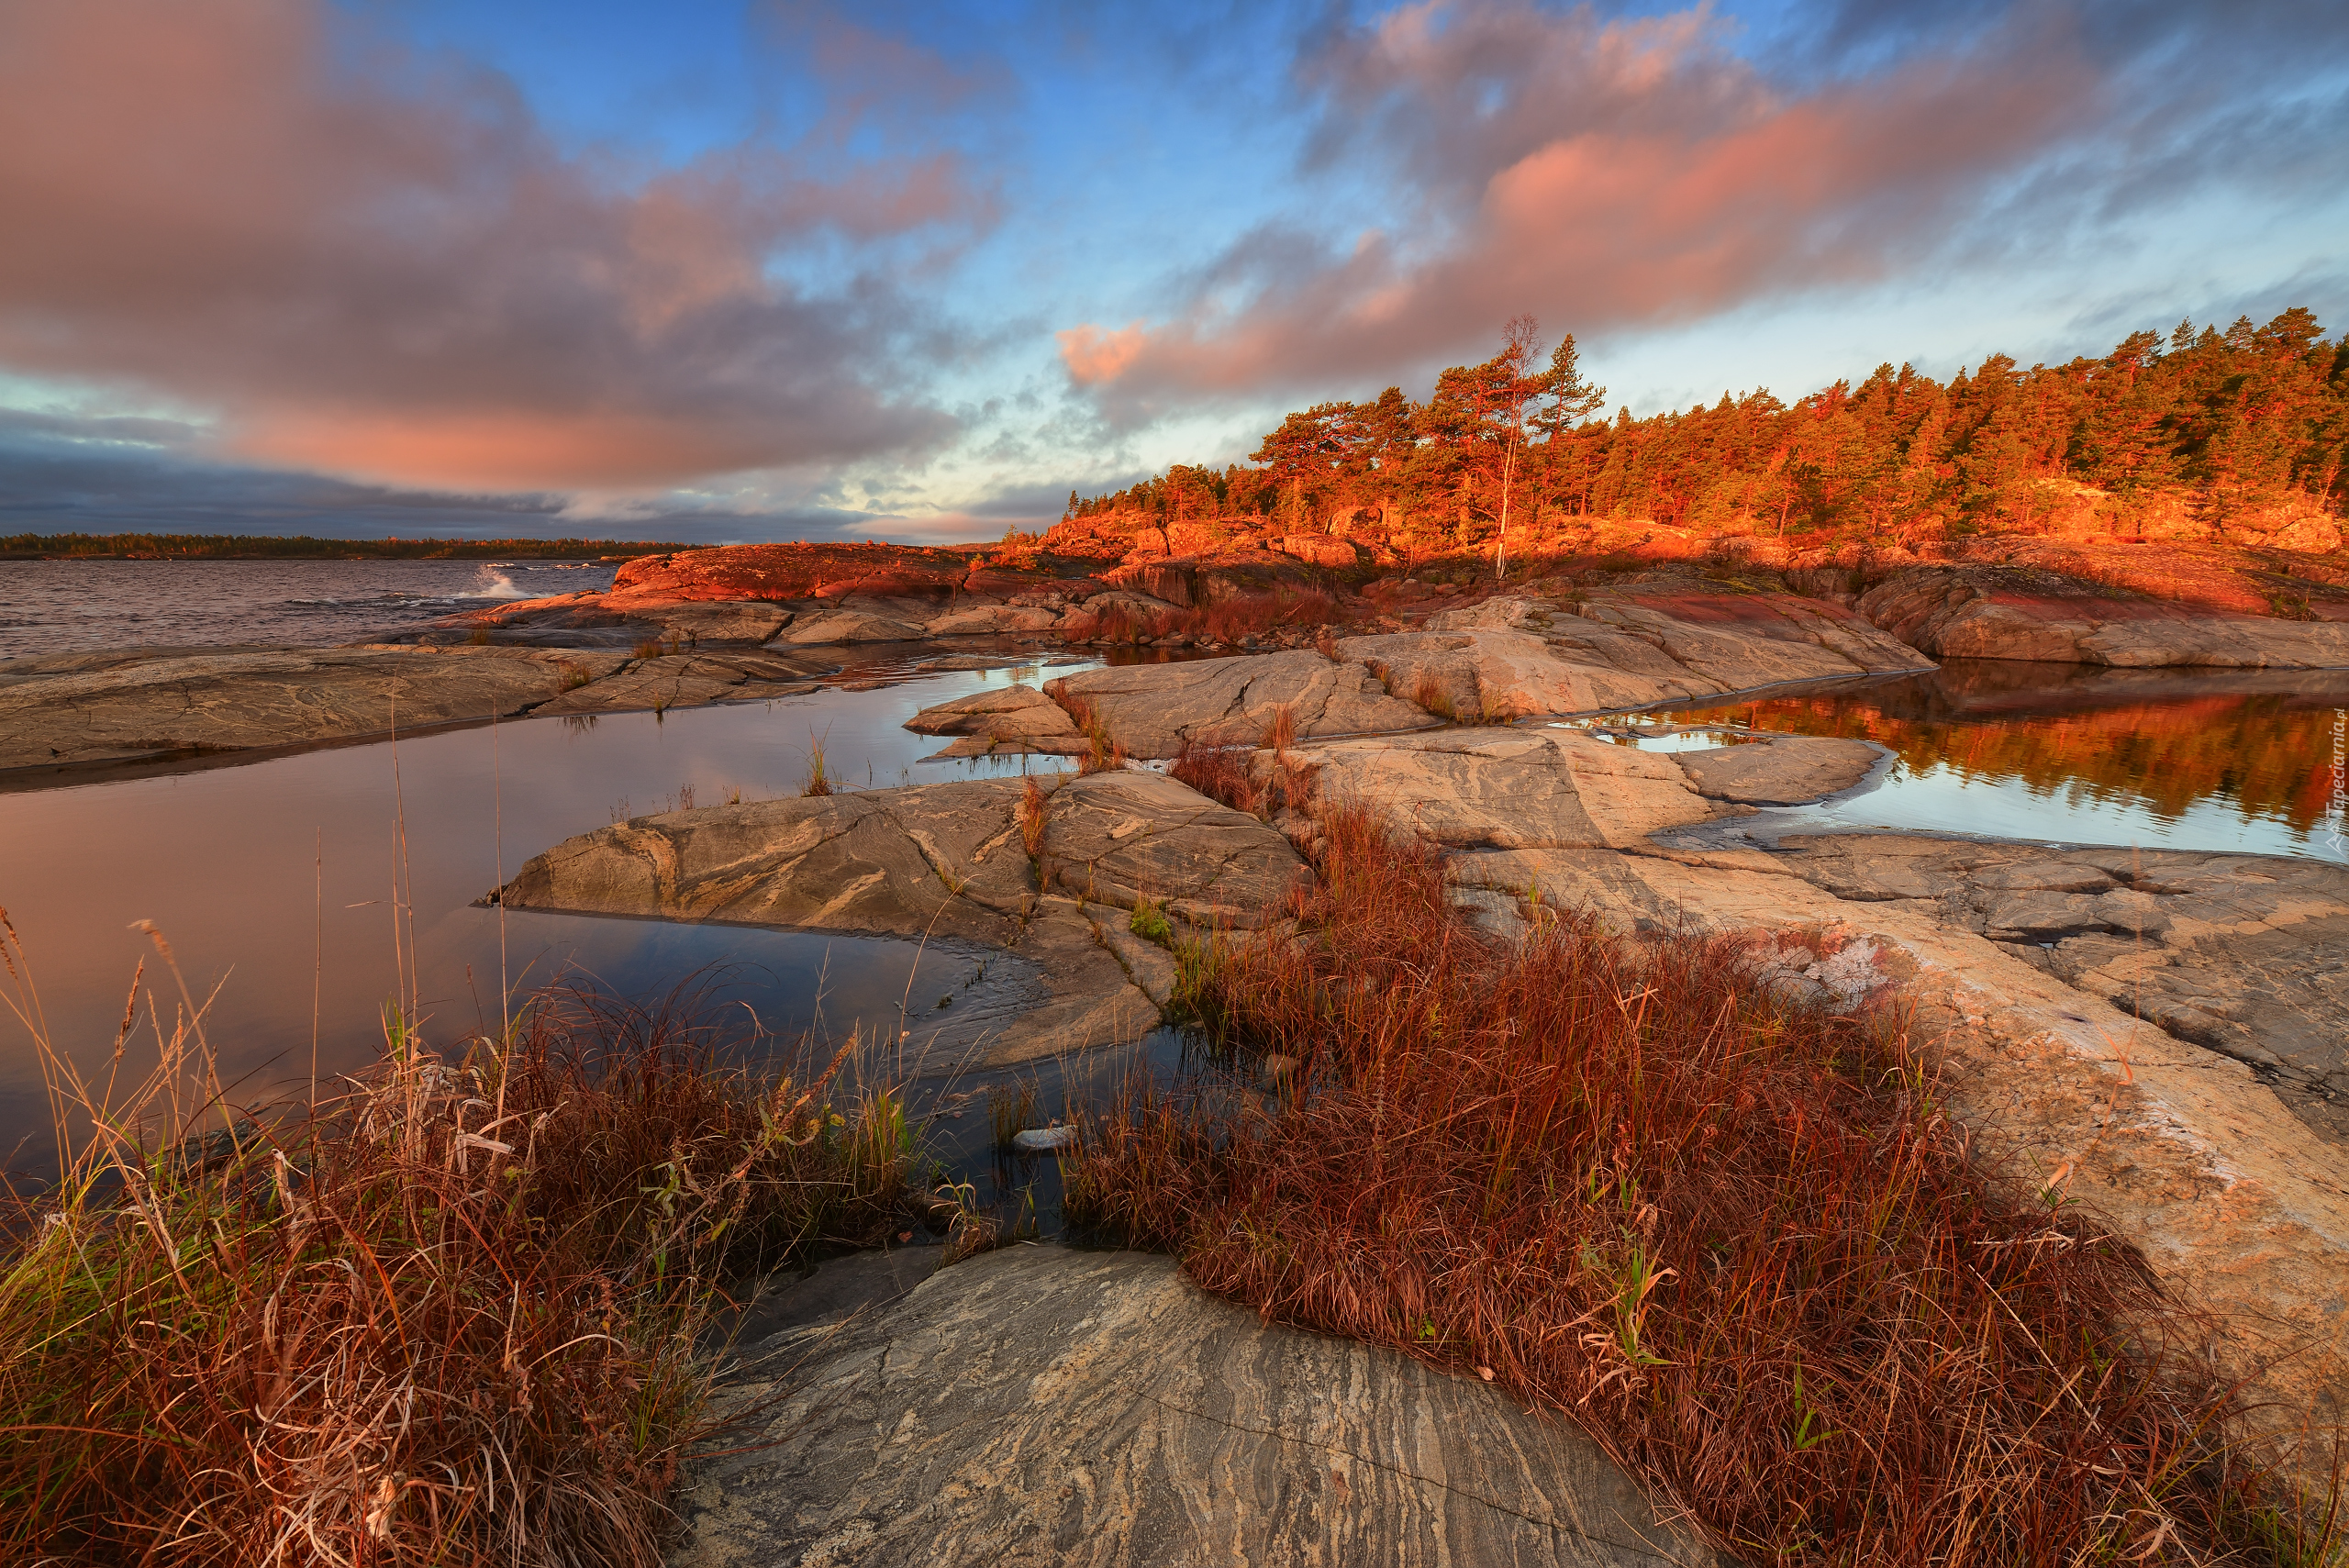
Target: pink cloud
(1599, 173)
(378, 266)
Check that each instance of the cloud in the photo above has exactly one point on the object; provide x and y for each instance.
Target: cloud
(377, 266)
(1609, 173)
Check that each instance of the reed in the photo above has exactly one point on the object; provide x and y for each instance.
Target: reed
(448, 1315)
(1736, 1237)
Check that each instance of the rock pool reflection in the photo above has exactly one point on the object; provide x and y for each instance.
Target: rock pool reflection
(2179, 759)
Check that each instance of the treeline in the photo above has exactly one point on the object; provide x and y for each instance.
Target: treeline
(255, 547)
(2253, 416)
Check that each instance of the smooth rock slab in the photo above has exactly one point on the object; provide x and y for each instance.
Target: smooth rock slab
(1004, 718)
(1794, 771)
(124, 707)
(1151, 709)
(947, 862)
(1510, 787)
(1036, 1405)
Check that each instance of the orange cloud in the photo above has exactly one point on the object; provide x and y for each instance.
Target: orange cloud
(1600, 174)
(378, 266)
(1096, 354)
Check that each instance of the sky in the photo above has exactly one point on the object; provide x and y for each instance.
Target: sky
(714, 272)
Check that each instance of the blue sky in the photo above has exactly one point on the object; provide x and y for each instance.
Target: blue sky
(727, 270)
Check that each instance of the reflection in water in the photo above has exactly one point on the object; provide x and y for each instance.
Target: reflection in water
(273, 881)
(2205, 759)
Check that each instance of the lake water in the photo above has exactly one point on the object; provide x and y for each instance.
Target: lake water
(2248, 761)
(65, 607)
(273, 883)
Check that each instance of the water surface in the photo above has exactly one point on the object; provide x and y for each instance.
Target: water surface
(274, 882)
(70, 606)
(2249, 762)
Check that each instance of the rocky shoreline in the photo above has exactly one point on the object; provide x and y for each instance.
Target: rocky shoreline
(2162, 1037)
(752, 623)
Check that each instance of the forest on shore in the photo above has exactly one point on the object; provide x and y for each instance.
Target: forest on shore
(301, 547)
(2221, 424)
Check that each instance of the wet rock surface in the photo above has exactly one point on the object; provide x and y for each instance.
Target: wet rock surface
(1151, 709)
(95, 708)
(948, 861)
(1046, 1406)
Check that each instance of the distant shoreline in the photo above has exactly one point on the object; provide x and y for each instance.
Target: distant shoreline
(302, 547)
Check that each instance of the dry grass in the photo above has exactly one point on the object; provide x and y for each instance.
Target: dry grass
(1102, 751)
(1034, 811)
(447, 1317)
(819, 780)
(1734, 1236)
(1245, 780)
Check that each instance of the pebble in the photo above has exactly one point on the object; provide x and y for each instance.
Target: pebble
(1043, 1139)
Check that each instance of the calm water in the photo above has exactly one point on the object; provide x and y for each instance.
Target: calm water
(2250, 761)
(62, 606)
(276, 878)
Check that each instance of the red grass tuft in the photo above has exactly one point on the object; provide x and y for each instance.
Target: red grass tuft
(1734, 1236)
(450, 1318)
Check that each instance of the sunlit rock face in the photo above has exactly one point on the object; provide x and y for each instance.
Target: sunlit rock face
(1514, 656)
(1153, 709)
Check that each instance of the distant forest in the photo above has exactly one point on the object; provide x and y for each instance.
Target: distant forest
(2250, 417)
(253, 547)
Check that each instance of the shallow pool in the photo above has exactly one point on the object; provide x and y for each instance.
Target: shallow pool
(2245, 762)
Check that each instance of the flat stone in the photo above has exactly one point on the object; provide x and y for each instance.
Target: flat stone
(1510, 787)
(982, 620)
(1037, 1406)
(736, 620)
(124, 707)
(824, 628)
(1791, 771)
(1014, 719)
(946, 861)
(1151, 709)
(691, 680)
(1991, 611)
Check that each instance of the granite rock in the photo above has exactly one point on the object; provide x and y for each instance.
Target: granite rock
(2195, 1156)
(946, 861)
(1517, 656)
(1038, 1405)
(1979, 611)
(1151, 709)
(1791, 770)
(92, 709)
(1514, 787)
